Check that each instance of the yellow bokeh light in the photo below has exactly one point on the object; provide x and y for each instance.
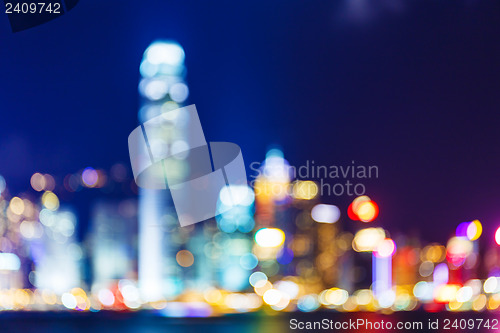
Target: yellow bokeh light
(336, 296)
(433, 253)
(363, 297)
(266, 190)
(479, 303)
(350, 305)
(262, 286)
(49, 297)
(446, 293)
(78, 292)
(50, 200)
(16, 205)
(305, 190)
(366, 211)
(272, 296)
(474, 230)
(213, 296)
(21, 297)
(367, 240)
(494, 302)
(454, 305)
(358, 201)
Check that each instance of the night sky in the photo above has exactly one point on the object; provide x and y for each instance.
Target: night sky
(409, 86)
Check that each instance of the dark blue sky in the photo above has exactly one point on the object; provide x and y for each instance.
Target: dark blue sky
(410, 86)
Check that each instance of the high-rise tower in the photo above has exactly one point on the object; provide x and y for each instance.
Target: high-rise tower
(162, 89)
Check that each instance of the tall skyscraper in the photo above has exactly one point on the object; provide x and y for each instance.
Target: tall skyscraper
(162, 89)
(272, 213)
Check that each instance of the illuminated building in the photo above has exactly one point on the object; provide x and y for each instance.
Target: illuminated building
(303, 243)
(273, 200)
(113, 242)
(38, 241)
(231, 248)
(56, 253)
(14, 258)
(382, 272)
(162, 268)
(329, 248)
(298, 258)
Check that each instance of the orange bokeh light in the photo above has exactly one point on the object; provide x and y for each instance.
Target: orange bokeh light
(363, 209)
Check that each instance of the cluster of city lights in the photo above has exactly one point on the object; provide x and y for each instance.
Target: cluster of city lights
(276, 246)
(259, 262)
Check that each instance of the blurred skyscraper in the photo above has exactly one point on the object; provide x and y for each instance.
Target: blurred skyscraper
(114, 242)
(56, 254)
(273, 213)
(162, 88)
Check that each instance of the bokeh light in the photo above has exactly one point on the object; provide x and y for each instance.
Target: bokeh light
(90, 177)
(50, 200)
(16, 205)
(363, 209)
(367, 240)
(165, 52)
(325, 213)
(184, 258)
(270, 237)
(474, 230)
(497, 236)
(305, 190)
(386, 248)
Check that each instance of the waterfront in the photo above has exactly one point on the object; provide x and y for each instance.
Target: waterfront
(145, 322)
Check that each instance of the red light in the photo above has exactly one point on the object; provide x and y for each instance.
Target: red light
(363, 209)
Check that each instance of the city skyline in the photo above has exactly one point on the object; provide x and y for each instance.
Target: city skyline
(380, 91)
